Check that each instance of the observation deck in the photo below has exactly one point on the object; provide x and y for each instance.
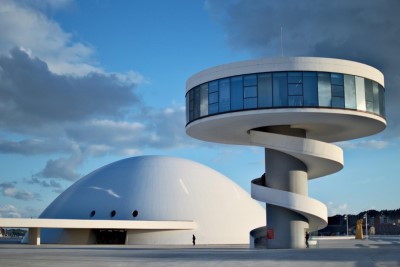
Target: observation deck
(294, 108)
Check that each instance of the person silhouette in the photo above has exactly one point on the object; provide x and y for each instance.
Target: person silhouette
(194, 240)
(307, 237)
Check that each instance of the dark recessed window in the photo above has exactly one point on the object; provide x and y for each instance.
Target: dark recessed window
(92, 213)
(113, 213)
(135, 213)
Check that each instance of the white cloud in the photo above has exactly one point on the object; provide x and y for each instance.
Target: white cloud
(44, 4)
(63, 168)
(130, 77)
(56, 99)
(365, 144)
(9, 190)
(49, 183)
(11, 211)
(34, 146)
(334, 209)
(149, 128)
(130, 152)
(168, 111)
(99, 137)
(22, 25)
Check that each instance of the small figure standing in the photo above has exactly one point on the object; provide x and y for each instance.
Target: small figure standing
(194, 240)
(307, 237)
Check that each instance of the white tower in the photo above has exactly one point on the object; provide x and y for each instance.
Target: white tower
(294, 108)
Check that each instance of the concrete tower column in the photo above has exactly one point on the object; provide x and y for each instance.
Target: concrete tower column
(286, 173)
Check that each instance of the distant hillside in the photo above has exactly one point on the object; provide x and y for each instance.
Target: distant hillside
(385, 222)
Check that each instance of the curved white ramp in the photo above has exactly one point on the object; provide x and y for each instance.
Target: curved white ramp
(320, 159)
(314, 210)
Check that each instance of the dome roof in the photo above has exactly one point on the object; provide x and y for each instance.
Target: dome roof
(160, 188)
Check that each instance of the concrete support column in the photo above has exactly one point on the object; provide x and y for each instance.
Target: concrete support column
(286, 173)
(34, 236)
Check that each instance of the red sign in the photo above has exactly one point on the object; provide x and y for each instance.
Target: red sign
(270, 233)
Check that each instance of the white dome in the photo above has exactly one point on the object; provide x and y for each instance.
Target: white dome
(163, 189)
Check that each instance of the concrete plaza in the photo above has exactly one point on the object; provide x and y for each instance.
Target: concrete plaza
(376, 251)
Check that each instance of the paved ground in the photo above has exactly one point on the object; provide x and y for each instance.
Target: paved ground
(373, 252)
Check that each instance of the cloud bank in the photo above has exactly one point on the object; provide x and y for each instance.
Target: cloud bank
(8, 189)
(34, 97)
(57, 101)
(367, 31)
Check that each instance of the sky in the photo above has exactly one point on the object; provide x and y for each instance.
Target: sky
(87, 83)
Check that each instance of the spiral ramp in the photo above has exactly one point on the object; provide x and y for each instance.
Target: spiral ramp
(319, 158)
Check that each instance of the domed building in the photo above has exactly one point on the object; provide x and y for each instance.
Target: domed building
(155, 189)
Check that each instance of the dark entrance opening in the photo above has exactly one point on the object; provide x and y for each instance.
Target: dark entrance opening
(104, 236)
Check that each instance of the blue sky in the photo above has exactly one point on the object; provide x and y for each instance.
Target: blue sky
(86, 83)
